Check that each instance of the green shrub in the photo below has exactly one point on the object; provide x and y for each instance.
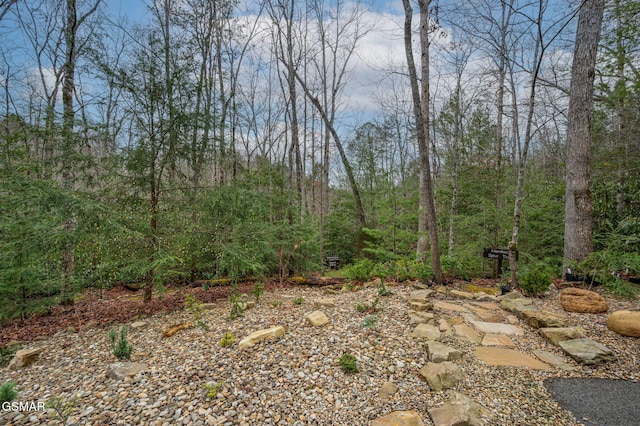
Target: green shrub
(194, 306)
(227, 340)
(348, 363)
(258, 290)
(298, 301)
(535, 279)
(7, 392)
(369, 321)
(383, 290)
(62, 407)
(362, 270)
(212, 389)
(119, 344)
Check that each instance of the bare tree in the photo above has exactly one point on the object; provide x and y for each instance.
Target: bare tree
(427, 209)
(578, 205)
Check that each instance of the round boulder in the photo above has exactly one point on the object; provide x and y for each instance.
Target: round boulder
(625, 323)
(583, 301)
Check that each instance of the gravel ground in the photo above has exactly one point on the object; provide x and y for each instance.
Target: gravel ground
(297, 379)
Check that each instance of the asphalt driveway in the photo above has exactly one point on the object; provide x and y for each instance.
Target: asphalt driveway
(598, 402)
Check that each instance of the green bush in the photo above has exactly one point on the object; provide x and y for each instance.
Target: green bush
(535, 279)
(227, 340)
(298, 301)
(369, 321)
(348, 363)
(362, 270)
(119, 344)
(7, 392)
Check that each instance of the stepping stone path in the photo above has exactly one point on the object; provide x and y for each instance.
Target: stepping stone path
(487, 324)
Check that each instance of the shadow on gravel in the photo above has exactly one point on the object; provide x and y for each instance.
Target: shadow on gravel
(598, 402)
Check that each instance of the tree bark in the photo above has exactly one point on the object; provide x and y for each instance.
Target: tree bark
(427, 210)
(427, 204)
(578, 205)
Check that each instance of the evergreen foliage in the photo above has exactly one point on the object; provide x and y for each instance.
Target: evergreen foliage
(7, 392)
(120, 344)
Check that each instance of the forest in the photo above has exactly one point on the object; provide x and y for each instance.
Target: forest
(175, 141)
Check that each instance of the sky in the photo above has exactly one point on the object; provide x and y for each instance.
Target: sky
(377, 69)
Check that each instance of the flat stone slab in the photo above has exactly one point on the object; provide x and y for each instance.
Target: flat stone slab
(421, 295)
(426, 331)
(461, 294)
(257, 336)
(542, 319)
(439, 352)
(139, 324)
(442, 375)
(490, 306)
(317, 318)
(487, 315)
(497, 340)
(496, 328)
(120, 370)
(467, 332)
(556, 335)
(399, 418)
(516, 306)
(553, 359)
(326, 302)
(450, 307)
(460, 410)
(420, 306)
(388, 390)
(419, 317)
(508, 357)
(586, 351)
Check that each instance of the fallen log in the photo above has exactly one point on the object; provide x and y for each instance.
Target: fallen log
(317, 281)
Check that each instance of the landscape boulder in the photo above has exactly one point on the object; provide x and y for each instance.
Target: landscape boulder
(24, 357)
(426, 331)
(625, 323)
(260, 335)
(317, 318)
(582, 301)
(541, 319)
(586, 351)
(460, 410)
(399, 418)
(442, 375)
(439, 352)
(120, 370)
(555, 335)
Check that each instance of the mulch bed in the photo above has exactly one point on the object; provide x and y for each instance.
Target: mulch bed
(117, 305)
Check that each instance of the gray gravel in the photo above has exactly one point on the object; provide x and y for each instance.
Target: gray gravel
(296, 380)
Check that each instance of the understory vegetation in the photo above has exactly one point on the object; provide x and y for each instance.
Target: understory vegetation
(160, 153)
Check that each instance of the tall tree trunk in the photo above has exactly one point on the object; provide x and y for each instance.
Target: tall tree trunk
(522, 159)
(578, 205)
(427, 210)
(69, 150)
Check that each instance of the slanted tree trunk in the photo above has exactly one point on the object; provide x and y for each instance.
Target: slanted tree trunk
(578, 205)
